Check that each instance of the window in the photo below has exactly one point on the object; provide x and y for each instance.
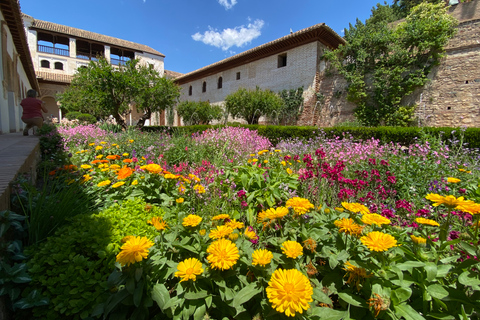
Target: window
(220, 83)
(282, 60)
(53, 44)
(190, 91)
(204, 86)
(238, 75)
(45, 64)
(89, 51)
(58, 66)
(119, 57)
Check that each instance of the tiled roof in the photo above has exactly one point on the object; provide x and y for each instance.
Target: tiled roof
(53, 77)
(79, 33)
(172, 74)
(11, 13)
(319, 32)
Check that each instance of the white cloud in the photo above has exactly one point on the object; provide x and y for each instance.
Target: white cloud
(238, 36)
(227, 4)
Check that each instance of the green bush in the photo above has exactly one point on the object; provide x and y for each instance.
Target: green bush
(82, 117)
(72, 267)
(198, 112)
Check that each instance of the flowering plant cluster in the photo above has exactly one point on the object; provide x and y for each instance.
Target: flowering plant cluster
(332, 231)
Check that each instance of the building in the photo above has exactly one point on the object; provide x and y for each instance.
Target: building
(58, 51)
(16, 69)
(290, 62)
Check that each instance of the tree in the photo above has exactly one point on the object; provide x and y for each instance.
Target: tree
(250, 105)
(403, 7)
(384, 62)
(102, 89)
(198, 112)
(292, 106)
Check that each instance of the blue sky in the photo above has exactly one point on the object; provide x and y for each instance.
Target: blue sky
(195, 33)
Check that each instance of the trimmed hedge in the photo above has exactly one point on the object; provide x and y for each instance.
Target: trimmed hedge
(402, 135)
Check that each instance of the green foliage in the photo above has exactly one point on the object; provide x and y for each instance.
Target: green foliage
(292, 106)
(198, 112)
(250, 105)
(385, 63)
(71, 268)
(403, 7)
(81, 117)
(102, 89)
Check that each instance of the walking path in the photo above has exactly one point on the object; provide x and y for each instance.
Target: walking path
(18, 154)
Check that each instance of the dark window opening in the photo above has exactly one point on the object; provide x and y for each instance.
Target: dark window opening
(282, 60)
(119, 57)
(190, 91)
(45, 64)
(53, 44)
(466, 82)
(238, 75)
(204, 86)
(449, 108)
(89, 51)
(58, 66)
(220, 83)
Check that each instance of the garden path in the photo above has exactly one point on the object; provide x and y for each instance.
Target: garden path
(18, 154)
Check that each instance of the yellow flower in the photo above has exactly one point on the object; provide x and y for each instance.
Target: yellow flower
(234, 224)
(124, 173)
(104, 183)
(100, 156)
(339, 209)
(472, 208)
(189, 269)
(179, 200)
(223, 254)
(429, 222)
(254, 160)
(373, 218)
(300, 205)
(171, 176)
(115, 167)
(114, 145)
(127, 238)
(418, 240)
(453, 180)
(91, 144)
(134, 182)
(289, 171)
(158, 223)
(193, 177)
(276, 150)
(271, 214)
(181, 189)
(265, 161)
(449, 201)
(85, 178)
(289, 291)
(378, 241)
(192, 220)
(202, 232)
(222, 216)
(292, 249)
(152, 168)
(118, 184)
(283, 163)
(98, 148)
(134, 250)
(348, 226)
(355, 274)
(103, 142)
(125, 154)
(250, 233)
(220, 232)
(261, 257)
(85, 166)
(131, 140)
(233, 236)
(355, 207)
(199, 188)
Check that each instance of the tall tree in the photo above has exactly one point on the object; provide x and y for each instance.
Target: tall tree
(102, 89)
(250, 105)
(384, 62)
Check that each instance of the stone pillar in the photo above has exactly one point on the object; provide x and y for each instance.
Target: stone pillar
(73, 48)
(107, 53)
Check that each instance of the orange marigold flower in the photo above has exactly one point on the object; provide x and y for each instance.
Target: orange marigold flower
(348, 226)
(127, 160)
(429, 222)
(124, 173)
(355, 207)
(292, 249)
(299, 205)
(113, 157)
(355, 274)
(158, 223)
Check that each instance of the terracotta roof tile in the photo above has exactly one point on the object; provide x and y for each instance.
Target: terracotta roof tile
(79, 33)
(53, 77)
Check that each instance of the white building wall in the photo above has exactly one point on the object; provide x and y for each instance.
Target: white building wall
(151, 59)
(300, 71)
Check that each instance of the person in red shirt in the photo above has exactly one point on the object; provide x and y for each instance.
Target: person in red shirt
(32, 111)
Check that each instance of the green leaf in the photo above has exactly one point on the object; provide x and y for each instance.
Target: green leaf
(196, 295)
(401, 294)
(441, 316)
(320, 296)
(410, 265)
(137, 295)
(328, 314)
(469, 278)
(160, 295)
(431, 269)
(352, 299)
(200, 312)
(404, 310)
(437, 291)
(245, 294)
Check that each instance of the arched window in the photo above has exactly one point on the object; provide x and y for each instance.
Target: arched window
(204, 86)
(220, 83)
(58, 66)
(190, 91)
(45, 64)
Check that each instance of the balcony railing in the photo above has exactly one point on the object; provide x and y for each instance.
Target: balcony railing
(52, 50)
(118, 62)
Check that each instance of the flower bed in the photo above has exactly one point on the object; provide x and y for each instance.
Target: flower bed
(323, 229)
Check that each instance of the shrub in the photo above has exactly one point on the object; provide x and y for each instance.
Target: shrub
(198, 112)
(72, 267)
